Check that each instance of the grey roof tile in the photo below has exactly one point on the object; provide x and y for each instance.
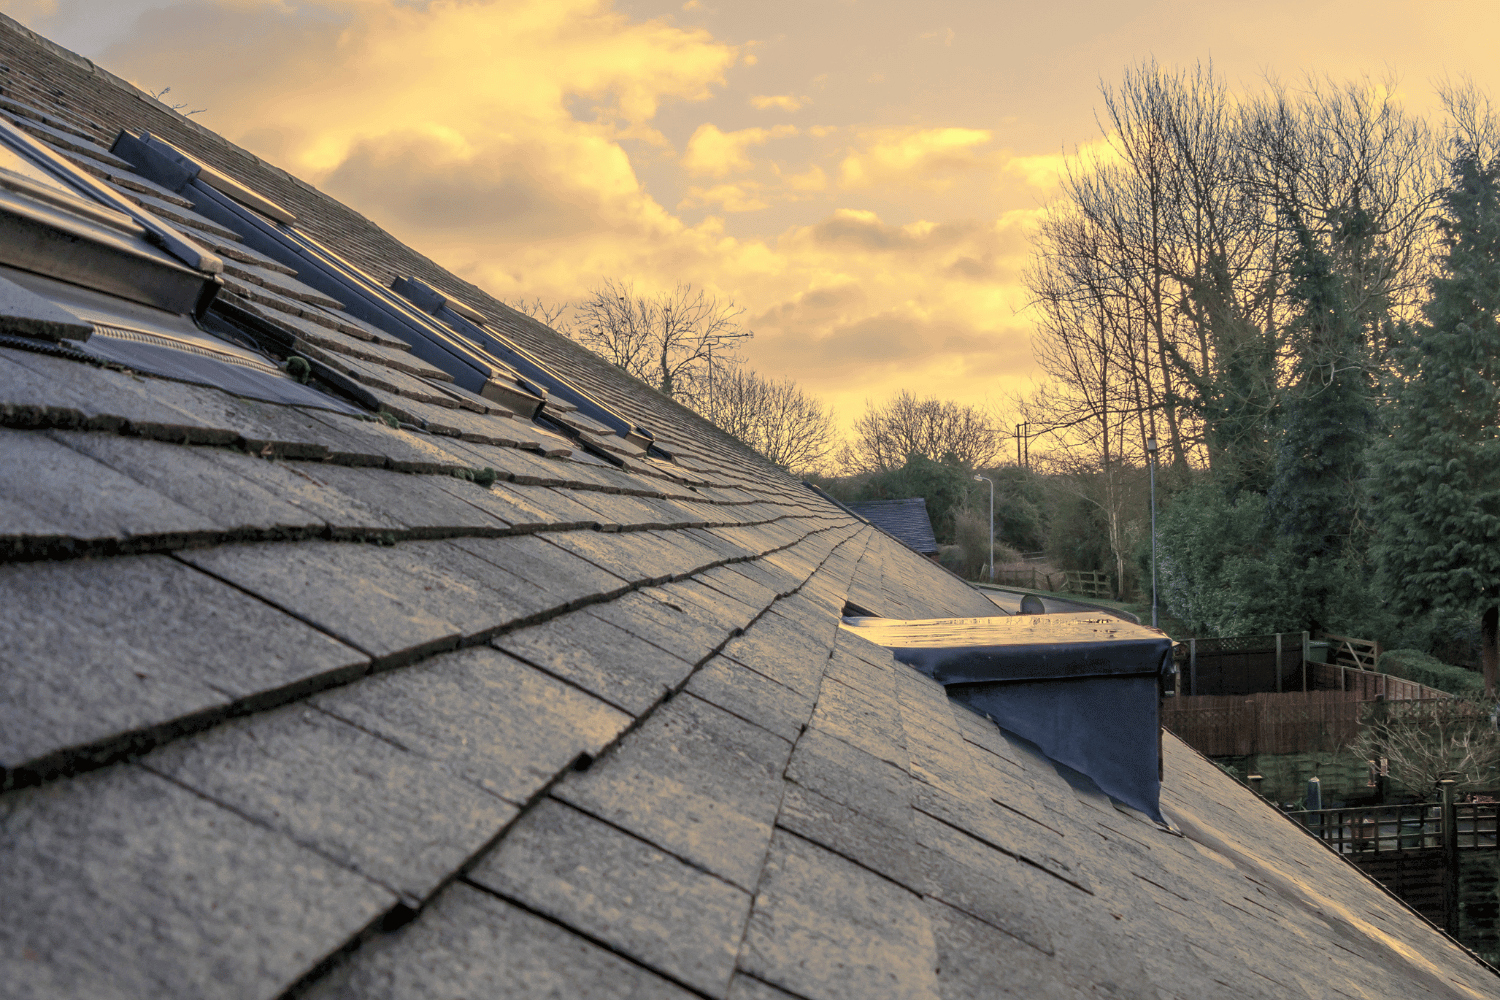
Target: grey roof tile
(201, 480)
(889, 849)
(422, 505)
(976, 959)
(780, 650)
(693, 780)
(469, 944)
(567, 579)
(738, 586)
(744, 987)
(364, 442)
(523, 508)
(124, 884)
(107, 657)
(364, 594)
(781, 583)
(82, 499)
(491, 719)
(637, 556)
(671, 627)
(825, 927)
(973, 877)
(601, 658)
(622, 892)
(856, 706)
(835, 770)
(559, 507)
(742, 691)
(400, 819)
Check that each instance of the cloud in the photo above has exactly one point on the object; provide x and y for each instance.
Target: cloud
(786, 102)
(744, 197)
(490, 136)
(713, 153)
(925, 157)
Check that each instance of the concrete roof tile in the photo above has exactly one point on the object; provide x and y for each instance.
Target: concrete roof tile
(104, 658)
(672, 627)
(695, 781)
(86, 500)
(823, 926)
(567, 579)
(201, 480)
(398, 818)
(130, 885)
(364, 594)
(603, 659)
(494, 721)
(470, 944)
(621, 891)
(751, 696)
(425, 506)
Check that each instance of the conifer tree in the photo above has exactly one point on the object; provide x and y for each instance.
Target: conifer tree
(1327, 416)
(1438, 471)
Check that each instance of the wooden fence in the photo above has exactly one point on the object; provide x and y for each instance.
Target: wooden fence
(1361, 654)
(1266, 722)
(1029, 577)
(1088, 584)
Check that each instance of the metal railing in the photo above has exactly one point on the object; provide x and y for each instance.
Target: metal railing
(1386, 829)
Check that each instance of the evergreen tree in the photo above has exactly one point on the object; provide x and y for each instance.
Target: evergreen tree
(1438, 471)
(1313, 503)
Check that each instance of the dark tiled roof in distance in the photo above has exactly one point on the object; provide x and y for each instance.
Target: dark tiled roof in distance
(906, 520)
(295, 704)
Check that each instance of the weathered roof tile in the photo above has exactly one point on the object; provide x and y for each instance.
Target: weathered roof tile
(104, 658)
(124, 884)
(695, 781)
(495, 721)
(622, 892)
(398, 818)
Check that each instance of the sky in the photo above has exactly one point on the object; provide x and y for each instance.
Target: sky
(859, 176)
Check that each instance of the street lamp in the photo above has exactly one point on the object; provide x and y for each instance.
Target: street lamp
(1151, 457)
(982, 479)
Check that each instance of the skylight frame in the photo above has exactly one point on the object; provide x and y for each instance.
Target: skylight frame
(59, 222)
(258, 222)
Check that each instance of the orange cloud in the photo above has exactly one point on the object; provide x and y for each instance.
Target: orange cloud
(715, 154)
(491, 136)
(915, 156)
(786, 102)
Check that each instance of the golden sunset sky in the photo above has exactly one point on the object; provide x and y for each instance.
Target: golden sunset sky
(860, 175)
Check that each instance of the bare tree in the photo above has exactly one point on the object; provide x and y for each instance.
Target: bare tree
(1428, 741)
(677, 342)
(1169, 258)
(549, 315)
(885, 435)
(773, 416)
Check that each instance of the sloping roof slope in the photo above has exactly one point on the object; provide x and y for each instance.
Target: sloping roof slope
(287, 708)
(906, 520)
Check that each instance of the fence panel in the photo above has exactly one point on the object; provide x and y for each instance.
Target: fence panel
(1238, 726)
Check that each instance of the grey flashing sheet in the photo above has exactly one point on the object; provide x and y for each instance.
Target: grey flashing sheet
(1019, 647)
(1083, 687)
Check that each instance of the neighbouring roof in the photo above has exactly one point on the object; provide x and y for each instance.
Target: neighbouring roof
(291, 705)
(905, 520)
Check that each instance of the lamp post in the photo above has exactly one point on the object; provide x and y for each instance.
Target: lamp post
(982, 479)
(1151, 457)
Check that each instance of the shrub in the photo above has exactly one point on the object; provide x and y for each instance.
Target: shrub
(1415, 665)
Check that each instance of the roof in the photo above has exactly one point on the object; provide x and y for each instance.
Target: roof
(292, 703)
(906, 520)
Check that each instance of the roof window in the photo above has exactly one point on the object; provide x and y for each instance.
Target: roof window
(269, 229)
(85, 268)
